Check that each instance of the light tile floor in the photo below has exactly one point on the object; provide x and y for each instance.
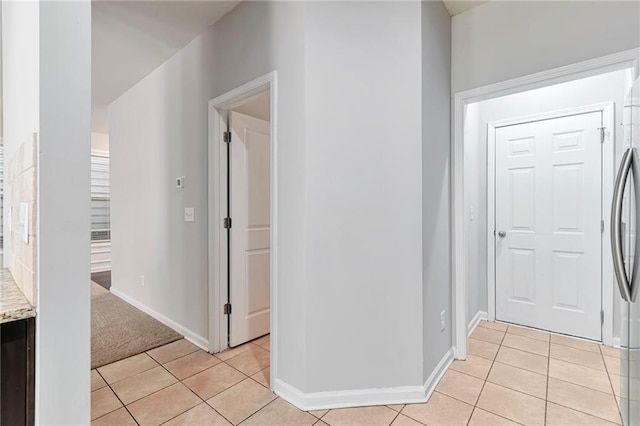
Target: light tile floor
(513, 375)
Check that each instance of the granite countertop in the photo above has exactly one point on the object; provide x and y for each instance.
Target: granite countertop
(13, 305)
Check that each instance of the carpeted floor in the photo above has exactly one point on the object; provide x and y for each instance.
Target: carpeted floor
(118, 330)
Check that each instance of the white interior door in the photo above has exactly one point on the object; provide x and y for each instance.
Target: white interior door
(548, 229)
(250, 208)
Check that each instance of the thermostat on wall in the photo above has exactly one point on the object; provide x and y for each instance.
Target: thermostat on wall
(180, 182)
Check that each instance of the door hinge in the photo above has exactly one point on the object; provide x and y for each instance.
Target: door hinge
(227, 137)
(602, 226)
(602, 134)
(601, 317)
(227, 308)
(227, 223)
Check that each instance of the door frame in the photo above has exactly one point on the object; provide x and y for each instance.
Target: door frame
(217, 203)
(622, 60)
(608, 166)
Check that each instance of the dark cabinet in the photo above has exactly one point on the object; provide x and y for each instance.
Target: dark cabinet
(17, 372)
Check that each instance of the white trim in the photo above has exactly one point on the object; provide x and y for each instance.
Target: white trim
(621, 60)
(191, 336)
(607, 160)
(99, 153)
(479, 316)
(217, 238)
(364, 397)
(437, 374)
(491, 222)
(615, 342)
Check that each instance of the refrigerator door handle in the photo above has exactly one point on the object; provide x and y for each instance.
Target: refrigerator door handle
(616, 225)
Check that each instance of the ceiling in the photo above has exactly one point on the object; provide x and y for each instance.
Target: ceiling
(456, 7)
(132, 38)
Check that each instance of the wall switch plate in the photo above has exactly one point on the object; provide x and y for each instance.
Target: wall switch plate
(180, 182)
(189, 214)
(443, 320)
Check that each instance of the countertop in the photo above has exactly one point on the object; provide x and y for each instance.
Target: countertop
(13, 305)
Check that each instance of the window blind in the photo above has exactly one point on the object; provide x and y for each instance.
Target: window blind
(100, 199)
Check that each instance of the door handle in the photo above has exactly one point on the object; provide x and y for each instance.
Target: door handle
(502, 234)
(616, 226)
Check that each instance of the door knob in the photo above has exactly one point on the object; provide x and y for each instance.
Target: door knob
(502, 234)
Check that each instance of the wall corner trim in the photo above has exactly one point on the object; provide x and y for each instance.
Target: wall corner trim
(479, 316)
(364, 397)
(437, 374)
(191, 336)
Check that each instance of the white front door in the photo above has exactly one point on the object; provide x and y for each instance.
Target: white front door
(548, 213)
(250, 209)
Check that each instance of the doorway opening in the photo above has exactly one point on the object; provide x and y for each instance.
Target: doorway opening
(533, 172)
(546, 186)
(242, 221)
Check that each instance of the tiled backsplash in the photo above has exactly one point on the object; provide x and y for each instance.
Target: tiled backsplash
(21, 199)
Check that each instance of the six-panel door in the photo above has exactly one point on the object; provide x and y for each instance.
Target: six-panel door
(548, 204)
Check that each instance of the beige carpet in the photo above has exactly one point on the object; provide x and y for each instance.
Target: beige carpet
(118, 330)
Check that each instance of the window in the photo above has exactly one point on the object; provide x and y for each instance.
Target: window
(100, 199)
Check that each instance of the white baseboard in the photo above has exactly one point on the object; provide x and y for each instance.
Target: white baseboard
(351, 398)
(363, 397)
(479, 316)
(437, 373)
(188, 334)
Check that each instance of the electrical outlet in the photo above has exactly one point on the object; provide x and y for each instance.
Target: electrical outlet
(142, 280)
(443, 320)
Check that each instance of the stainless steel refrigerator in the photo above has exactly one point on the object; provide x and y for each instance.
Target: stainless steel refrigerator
(625, 247)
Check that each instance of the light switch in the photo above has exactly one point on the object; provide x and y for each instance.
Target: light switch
(189, 214)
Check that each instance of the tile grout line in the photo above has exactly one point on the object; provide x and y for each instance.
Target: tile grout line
(549, 356)
(116, 395)
(179, 381)
(397, 413)
(235, 384)
(213, 355)
(587, 414)
(396, 416)
(615, 398)
(162, 346)
(475, 405)
(546, 396)
(224, 390)
(246, 418)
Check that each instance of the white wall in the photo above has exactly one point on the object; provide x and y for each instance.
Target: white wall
(46, 76)
(436, 120)
(20, 68)
(501, 40)
(63, 357)
(364, 209)
(158, 131)
(350, 266)
(603, 88)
